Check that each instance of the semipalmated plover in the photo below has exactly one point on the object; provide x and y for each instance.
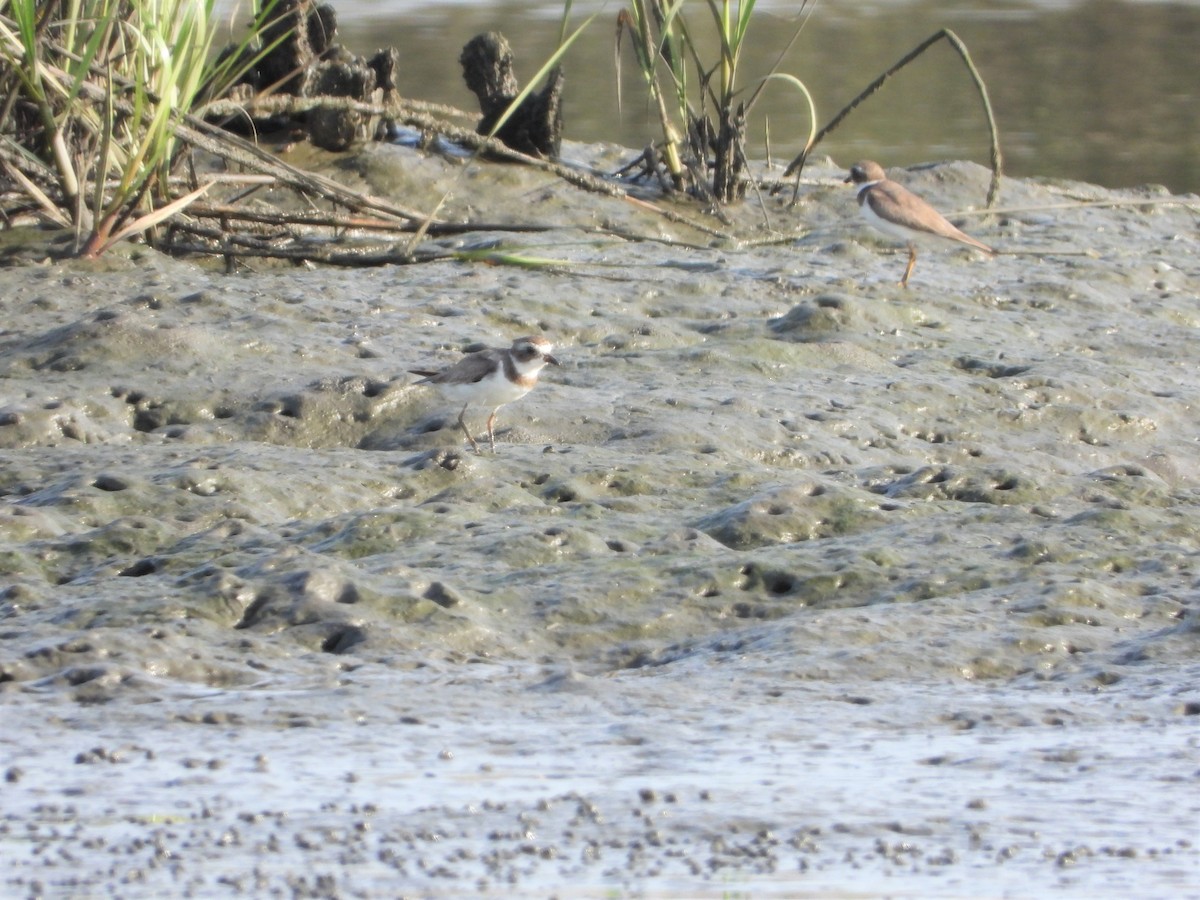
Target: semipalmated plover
(895, 210)
(491, 377)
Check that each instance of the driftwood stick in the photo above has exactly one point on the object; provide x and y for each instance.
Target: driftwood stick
(412, 115)
(245, 153)
(284, 105)
(398, 254)
(363, 223)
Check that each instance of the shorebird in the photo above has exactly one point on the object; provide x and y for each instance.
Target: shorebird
(491, 377)
(895, 210)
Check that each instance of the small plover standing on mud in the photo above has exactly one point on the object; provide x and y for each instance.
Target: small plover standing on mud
(895, 210)
(491, 377)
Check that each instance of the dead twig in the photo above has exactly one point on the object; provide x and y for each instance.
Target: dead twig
(359, 223)
(797, 164)
(415, 116)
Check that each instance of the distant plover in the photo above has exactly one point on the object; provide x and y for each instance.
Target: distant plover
(895, 210)
(491, 377)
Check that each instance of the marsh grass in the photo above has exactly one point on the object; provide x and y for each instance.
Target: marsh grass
(95, 91)
(701, 103)
(702, 106)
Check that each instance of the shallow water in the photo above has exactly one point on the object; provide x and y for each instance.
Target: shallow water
(788, 582)
(722, 776)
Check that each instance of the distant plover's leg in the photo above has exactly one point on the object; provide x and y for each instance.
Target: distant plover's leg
(467, 431)
(912, 261)
(491, 424)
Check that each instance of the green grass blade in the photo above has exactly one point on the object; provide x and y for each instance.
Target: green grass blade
(812, 106)
(509, 258)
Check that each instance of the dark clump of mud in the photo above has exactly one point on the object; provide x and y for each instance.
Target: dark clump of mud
(788, 581)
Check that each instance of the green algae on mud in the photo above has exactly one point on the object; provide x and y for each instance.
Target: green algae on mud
(763, 479)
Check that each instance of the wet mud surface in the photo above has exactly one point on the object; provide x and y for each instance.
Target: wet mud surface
(788, 582)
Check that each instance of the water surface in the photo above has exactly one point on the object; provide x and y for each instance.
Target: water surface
(1101, 91)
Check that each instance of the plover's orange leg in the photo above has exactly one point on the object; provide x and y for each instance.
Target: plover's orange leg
(491, 432)
(467, 431)
(912, 261)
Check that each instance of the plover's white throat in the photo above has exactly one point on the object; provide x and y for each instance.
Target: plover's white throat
(895, 210)
(491, 377)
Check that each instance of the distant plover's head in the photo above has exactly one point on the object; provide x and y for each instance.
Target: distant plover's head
(865, 171)
(531, 353)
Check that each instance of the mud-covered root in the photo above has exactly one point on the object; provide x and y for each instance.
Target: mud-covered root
(534, 127)
(304, 60)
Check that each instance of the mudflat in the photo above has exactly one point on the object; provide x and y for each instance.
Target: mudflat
(787, 582)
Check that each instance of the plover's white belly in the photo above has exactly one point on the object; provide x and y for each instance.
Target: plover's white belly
(891, 228)
(494, 390)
